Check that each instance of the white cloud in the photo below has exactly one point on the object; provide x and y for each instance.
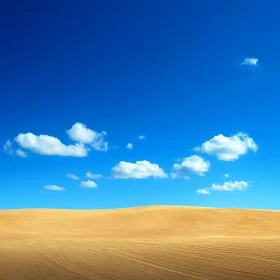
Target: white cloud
(129, 146)
(54, 188)
(141, 137)
(230, 186)
(80, 133)
(72, 176)
(226, 186)
(88, 184)
(228, 148)
(192, 164)
(226, 175)
(250, 61)
(139, 170)
(93, 176)
(203, 191)
(49, 145)
(21, 153)
(8, 149)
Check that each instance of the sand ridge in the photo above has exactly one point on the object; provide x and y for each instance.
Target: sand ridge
(159, 242)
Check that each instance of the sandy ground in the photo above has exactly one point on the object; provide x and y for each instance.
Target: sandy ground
(140, 243)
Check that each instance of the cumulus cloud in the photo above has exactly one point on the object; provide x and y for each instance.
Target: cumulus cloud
(8, 149)
(203, 191)
(72, 176)
(54, 188)
(193, 164)
(139, 170)
(226, 186)
(80, 133)
(129, 146)
(250, 62)
(88, 184)
(228, 148)
(49, 145)
(226, 175)
(93, 176)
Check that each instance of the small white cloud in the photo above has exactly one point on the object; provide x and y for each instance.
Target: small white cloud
(21, 153)
(230, 186)
(80, 133)
(139, 170)
(203, 191)
(72, 176)
(250, 61)
(226, 186)
(88, 184)
(141, 137)
(93, 176)
(228, 148)
(54, 188)
(129, 146)
(49, 145)
(8, 149)
(193, 164)
(226, 175)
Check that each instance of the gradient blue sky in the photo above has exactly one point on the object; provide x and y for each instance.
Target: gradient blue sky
(167, 70)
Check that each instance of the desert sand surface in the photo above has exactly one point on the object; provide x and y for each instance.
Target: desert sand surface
(140, 243)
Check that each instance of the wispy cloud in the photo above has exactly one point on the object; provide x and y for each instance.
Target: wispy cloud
(9, 150)
(93, 176)
(53, 188)
(72, 176)
(228, 148)
(141, 137)
(139, 170)
(88, 184)
(226, 186)
(251, 62)
(226, 175)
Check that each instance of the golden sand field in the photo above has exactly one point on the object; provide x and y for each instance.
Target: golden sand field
(140, 243)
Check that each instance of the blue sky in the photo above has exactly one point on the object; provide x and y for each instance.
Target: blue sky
(80, 82)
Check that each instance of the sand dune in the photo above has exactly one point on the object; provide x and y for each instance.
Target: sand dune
(140, 243)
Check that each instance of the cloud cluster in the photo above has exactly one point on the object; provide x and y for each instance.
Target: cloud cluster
(83, 137)
(228, 148)
(226, 186)
(93, 176)
(139, 170)
(81, 134)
